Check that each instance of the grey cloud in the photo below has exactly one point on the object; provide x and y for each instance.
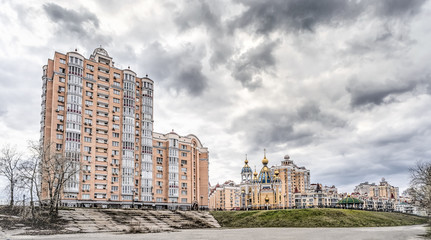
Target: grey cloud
(178, 69)
(81, 24)
(398, 8)
(270, 126)
(249, 65)
(306, 15)
(294, 15)
(202, 14)
(380, 92)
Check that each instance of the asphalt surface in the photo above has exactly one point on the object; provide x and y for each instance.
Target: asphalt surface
(375, 233)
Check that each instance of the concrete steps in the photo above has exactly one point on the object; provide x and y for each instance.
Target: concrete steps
(125, 220)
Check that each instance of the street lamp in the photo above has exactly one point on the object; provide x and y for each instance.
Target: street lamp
(133, 198)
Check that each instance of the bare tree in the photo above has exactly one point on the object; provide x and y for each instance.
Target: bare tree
(421, 185)
(56, 171)
(29, 176)
(10, 159)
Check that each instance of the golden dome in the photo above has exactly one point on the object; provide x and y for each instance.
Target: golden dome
(264, 161)
(246, 161)
(267, 199)
(255, 173)
(276, 172)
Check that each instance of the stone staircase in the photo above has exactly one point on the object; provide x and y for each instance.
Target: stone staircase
(125, 220)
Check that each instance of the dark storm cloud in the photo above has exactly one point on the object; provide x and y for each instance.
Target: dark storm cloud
(398, 8)
(306, 15)
(381, 92)
(294, 15)
(81, 24)
(201, 14)
(269, 126)
(179, 69)
(249, 65)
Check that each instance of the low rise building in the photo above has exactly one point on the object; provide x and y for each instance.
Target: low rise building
(225, 196)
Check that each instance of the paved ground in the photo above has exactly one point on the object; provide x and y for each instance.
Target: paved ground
(392, 233)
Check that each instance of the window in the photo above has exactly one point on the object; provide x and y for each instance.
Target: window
(60, 89)
(60, 127)
(183, 200)
(60, 108)
(159, 175)
(88, 103)
(87, 139)
(160, 144)
(159, 151)
(62, 61)
(159, 199)
(62, 70)
(115, 143)
(89, 76)
(114, 188)
(61, 99)
(184, 185)
(183, 154)
(183, 192)
(183, 162)
(85, 196)
(91, 67)
(184, 147)
(117, 84)
(115, 152)
(85, 186)
(115, 135)
(159, 183)
(183, 177)
(159, 160)
(117, 92)
(87, 158)
(159, 191)
(58, 146)
(116, 109)
(87, 149)
(184, 170)
(62, 79)
(116, 100)
(89, 112)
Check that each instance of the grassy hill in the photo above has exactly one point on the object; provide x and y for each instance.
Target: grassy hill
(314, 218)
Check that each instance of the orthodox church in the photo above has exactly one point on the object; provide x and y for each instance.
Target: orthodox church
(260, 191)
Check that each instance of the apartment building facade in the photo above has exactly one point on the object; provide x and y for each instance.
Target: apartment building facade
(102, 117)
(225, 197)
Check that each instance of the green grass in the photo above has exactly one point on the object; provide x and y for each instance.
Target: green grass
(314, 218)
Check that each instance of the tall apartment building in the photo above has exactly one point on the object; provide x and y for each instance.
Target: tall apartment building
(102, 116)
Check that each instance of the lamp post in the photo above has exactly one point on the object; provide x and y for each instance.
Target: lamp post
(133, 198)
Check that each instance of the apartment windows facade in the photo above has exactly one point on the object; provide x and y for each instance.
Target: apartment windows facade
(103, 117)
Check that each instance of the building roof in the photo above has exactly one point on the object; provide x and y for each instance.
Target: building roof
(350, 200)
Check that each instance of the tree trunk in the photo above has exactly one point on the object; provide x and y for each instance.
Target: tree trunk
(11, 192)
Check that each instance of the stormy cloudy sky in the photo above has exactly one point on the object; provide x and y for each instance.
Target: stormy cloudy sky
(341, 86)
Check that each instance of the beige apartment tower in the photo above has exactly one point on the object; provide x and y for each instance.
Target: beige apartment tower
(103, 116)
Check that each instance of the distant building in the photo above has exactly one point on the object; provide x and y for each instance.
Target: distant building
(225, 196)
(274, 187)
(381, 197)
(317, 196)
